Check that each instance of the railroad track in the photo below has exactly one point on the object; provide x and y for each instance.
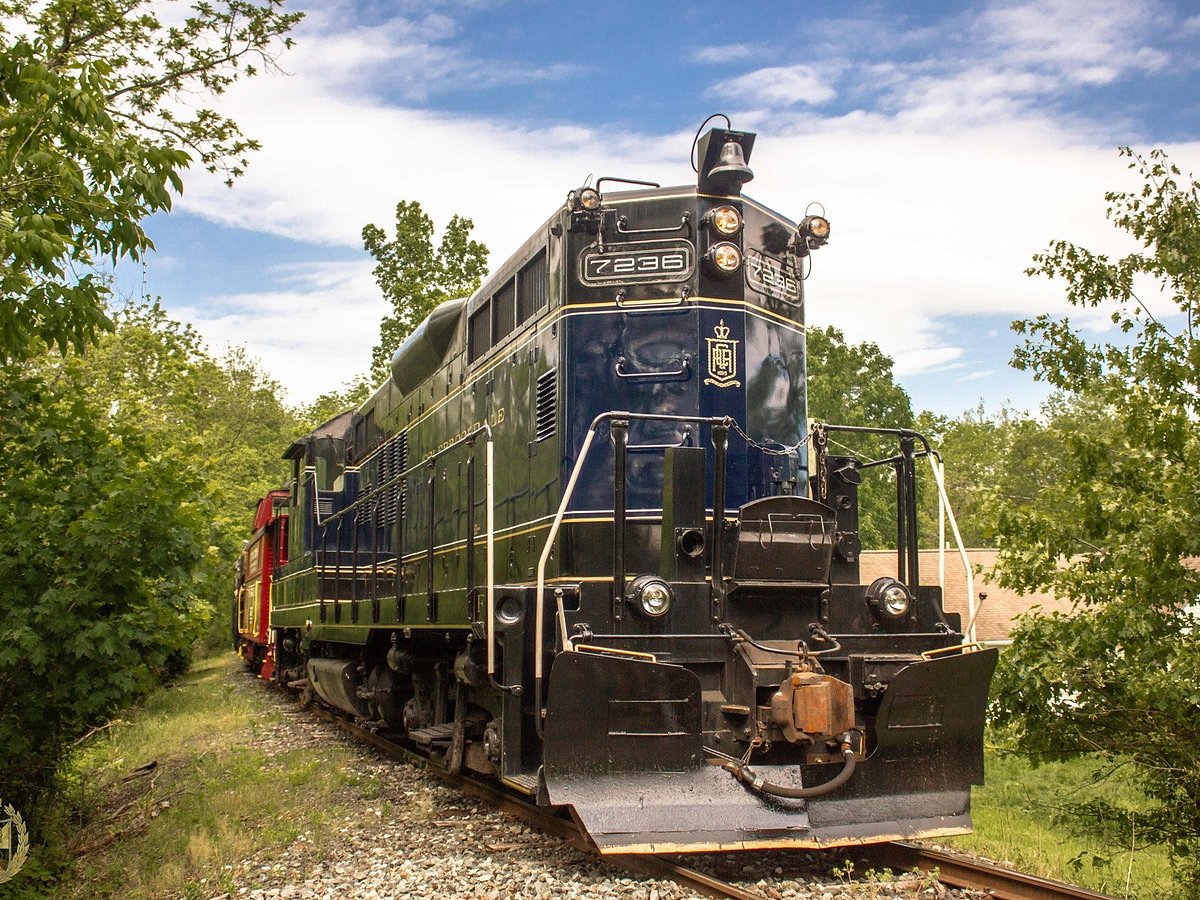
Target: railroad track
(953, 870)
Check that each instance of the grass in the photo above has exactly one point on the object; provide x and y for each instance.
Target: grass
(1026, 816)
(214, 799)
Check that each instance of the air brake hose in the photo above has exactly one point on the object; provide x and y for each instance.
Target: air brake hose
(744, 774)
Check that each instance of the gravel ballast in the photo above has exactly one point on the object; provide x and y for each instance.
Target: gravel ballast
(414, 836)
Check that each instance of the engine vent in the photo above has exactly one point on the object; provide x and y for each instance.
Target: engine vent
(547, 405)
(393, 459)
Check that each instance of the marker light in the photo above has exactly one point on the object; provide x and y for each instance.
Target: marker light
(814, 231)
(726, 258)
(725, 220)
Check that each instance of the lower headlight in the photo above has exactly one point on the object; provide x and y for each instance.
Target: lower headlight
(652, 595)
(726, 258)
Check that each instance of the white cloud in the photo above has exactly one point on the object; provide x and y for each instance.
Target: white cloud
(781, 86)
(726, 53)
(304, 331)
(1083, 41)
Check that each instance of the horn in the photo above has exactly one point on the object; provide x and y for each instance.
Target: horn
(731, 172)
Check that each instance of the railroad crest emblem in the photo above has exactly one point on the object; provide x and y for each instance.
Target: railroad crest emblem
(722, 358)
(14, 842)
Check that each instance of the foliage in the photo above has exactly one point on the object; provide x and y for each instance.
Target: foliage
(1121, 519)
(853, 384)
(223, 415)
(996, 459)
(95, 132)
(131, 476)
(101, 541)
(415, 278)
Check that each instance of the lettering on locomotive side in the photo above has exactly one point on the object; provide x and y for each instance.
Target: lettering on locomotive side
(637, 262)
(493, 420)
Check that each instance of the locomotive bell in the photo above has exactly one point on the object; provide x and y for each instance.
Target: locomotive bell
(733, 172)
(723, 155)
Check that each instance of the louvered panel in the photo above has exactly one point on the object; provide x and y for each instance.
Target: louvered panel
(546, 413)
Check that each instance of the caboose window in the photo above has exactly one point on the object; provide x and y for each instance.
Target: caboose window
(479, 333)
(531, 287)
(504, 308)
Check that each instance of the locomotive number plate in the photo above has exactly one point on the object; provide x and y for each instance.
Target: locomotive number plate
(637, 263)
(772, 277)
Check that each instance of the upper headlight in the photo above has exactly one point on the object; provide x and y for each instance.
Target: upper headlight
(589, 198)
(725, 220)
(726, 258)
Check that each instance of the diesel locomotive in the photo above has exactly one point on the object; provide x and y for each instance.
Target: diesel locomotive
(583, 541)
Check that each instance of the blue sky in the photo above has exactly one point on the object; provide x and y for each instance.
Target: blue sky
(948, 142)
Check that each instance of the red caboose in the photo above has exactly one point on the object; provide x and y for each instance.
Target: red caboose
(262, 556)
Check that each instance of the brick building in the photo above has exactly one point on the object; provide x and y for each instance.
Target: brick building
(996, 613)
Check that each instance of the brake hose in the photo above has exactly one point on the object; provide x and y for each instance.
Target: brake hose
(746, 776)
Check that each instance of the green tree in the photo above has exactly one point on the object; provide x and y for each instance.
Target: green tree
(853, 384)
(414, 277)
(102, 539)
(222, 414)
(95, 134)
(1118, 524)
(995, 459)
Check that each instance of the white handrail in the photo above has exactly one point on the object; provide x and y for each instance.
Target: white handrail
(944, 502)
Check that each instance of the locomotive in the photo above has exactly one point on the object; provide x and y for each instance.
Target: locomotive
(583, 541)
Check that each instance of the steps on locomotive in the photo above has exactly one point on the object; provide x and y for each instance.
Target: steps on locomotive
(434, 735)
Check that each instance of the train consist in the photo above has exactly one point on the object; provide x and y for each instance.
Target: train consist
(583, 541)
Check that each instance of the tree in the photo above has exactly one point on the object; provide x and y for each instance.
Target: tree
(95, 133)
(853, 384)
(991, 459)
(415, 278)
(223, 415)
(1117, 526)
(102, 539)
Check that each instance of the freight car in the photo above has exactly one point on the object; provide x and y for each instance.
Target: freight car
(583, 541)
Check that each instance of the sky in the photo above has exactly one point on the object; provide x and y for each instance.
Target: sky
(947, 142)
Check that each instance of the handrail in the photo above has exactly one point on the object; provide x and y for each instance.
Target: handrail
(489, 490)
(568, 492)
(683, 372)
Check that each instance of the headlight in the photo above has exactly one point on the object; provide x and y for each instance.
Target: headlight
(895, 600)
(887, 596)
(725, 220)
(589, 198)
(725, 258)
(652, 595)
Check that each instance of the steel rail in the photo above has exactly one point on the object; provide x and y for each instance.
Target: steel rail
(958, 870)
